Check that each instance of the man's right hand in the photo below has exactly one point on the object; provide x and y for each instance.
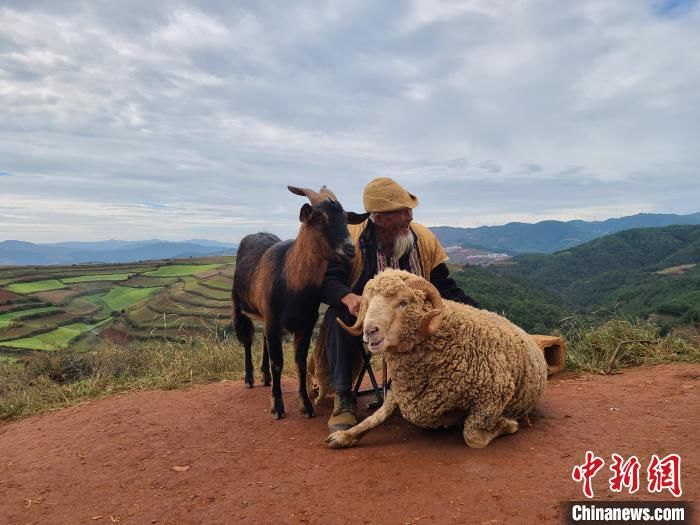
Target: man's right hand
(352, 301)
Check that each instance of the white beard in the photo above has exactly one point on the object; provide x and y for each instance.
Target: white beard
(402, 244)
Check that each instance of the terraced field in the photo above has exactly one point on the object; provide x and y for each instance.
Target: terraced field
(49, 307)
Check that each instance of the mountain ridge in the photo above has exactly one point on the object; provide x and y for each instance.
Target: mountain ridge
(551, 236)
(22, 253)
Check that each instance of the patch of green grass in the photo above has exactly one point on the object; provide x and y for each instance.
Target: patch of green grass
(5, 319)
(53, 340)
(176, 270)
(97, 277)
(36, 286)
(122, 297)
(8, 359)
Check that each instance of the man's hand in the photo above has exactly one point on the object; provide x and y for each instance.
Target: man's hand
(352, 301)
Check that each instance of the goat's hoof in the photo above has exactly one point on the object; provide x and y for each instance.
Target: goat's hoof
(277, 409)
(249, 384)
(267, 382)
(306, 408)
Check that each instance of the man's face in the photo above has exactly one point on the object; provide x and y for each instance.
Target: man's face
(394, 223)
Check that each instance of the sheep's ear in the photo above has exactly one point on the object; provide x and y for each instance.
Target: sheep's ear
(430, 322)
(357, 218)
(306, 213)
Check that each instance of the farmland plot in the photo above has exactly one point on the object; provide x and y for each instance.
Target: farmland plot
(53, 340)
(177, 270)
(122, 297)
(36, 286)
(97, 277)
(6, 319)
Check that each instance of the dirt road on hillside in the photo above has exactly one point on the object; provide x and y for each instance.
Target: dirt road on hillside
(213, 454)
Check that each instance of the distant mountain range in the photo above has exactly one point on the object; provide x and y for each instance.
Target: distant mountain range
(551, 236)
(20, 253)
(512, 238)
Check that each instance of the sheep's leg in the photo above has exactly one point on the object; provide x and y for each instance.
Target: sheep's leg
(480, 429)
(274, 346)
(320, 363)
(245, 329)
(350, 438)
(265, 366)
(301, 352)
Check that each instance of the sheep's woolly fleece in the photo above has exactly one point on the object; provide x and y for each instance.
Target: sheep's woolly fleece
(477, 361)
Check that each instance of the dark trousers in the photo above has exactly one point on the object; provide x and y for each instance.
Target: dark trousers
(341, 348)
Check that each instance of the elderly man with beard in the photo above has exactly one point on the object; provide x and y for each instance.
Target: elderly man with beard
(388, 239)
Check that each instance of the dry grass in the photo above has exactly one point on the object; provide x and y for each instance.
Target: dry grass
(618, 343)
(58, 379)
(49, 381)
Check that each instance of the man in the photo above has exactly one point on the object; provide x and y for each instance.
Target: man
(389, 239)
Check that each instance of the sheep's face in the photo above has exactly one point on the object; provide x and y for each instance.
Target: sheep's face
(398, 310)
(388, 318)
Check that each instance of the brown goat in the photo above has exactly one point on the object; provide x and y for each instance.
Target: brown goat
(279, 282)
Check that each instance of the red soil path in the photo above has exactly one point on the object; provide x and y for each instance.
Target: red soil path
(112, 460)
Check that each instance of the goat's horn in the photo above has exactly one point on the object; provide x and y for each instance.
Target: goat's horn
(328, 193)
(430, 322)
(355, 329)
(314, 197)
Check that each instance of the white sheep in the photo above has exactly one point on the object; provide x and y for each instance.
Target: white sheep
(449, 363)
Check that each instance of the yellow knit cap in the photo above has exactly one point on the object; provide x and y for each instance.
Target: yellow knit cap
(385, 194)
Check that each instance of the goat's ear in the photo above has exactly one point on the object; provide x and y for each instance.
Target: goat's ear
(306, 213)
(357, 218)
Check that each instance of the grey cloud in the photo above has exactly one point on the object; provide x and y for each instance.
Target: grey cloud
(215, 107)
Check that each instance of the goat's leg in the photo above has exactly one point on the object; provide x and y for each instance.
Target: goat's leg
(265, 366)
(350, 438)
(301, 352)
(274, 347)
(245, 329)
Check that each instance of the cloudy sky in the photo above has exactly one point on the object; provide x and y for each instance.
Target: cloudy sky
(142, 119)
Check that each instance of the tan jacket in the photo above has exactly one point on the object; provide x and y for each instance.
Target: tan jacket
(429, 248)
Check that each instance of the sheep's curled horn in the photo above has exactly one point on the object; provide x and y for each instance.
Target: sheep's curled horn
(429, 323)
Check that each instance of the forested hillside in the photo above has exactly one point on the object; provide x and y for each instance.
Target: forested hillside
(642, 272)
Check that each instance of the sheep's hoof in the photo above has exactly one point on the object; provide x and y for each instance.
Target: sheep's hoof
(249, 384)
(267, 380)
(340, 439)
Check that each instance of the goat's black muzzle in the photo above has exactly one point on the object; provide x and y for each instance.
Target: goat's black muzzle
(347, 251)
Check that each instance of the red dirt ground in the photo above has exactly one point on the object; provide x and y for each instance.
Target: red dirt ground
(112, 460)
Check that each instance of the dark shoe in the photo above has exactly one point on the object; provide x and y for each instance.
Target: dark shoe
(343, 417)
